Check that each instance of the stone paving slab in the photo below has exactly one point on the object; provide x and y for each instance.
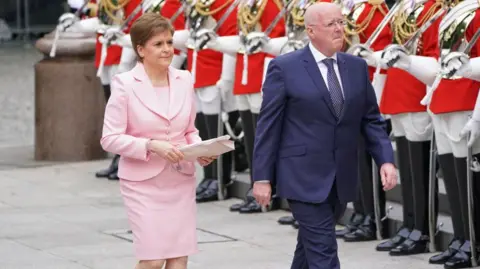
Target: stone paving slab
(61, 216)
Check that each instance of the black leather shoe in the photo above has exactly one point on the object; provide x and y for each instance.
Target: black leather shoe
(364, 232)
(443, 257)
(113, 175)
(112, 168)
(252, 207)
(461, 259)
(203, 185)
(286, 220)
(236, 207)
(295, 225)
(355, 220)
(248, 199)
(416, 243)
(210, 194)
(395, 241)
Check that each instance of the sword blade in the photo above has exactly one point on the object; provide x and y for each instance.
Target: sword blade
(472, 42)
(383, 24)
(425, 26)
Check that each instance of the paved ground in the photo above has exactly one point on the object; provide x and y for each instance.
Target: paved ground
(59, 216)
(62, 217)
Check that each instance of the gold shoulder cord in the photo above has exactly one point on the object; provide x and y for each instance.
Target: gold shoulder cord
(203, 7)
(354, 28)
(297, 14)
(249, 17)
(93, 9)
(405, 25)
(112, 6)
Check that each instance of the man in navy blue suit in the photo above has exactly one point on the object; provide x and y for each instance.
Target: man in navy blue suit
(317, 102)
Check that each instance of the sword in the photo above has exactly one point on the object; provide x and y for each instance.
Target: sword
(407, 46)
(220, 22)
(470, 204)
(426, 100)
(383, 24)
(77, 13)
(432, 191)
(425, 26)
(104, 51)
(272, 25)
(177, 13)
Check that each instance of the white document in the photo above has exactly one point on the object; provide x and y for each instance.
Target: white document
(208, 148)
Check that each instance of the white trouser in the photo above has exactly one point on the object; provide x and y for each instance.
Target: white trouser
(209, 100)
(447, 134)
(416, 126)
(252, 102)
(107, 73)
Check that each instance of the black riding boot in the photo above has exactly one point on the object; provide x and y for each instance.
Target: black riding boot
(447, 165)
(211, 193)
(462, 259)
(208, 176)
(419, 167)
(249, 133)
(407, 189)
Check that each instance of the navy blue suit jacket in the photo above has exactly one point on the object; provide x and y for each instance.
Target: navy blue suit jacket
(300, 145)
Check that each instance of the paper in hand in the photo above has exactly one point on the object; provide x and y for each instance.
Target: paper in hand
(208, 148)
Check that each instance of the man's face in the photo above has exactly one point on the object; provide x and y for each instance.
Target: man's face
(326, 33)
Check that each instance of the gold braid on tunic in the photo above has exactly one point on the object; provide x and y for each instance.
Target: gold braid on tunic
(354, 28)
(111, 8)
(248, 17)
(405, 25)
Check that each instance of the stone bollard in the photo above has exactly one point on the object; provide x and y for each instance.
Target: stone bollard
(69, 100)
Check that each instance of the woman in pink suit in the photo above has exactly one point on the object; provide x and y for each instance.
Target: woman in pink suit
(151, 112)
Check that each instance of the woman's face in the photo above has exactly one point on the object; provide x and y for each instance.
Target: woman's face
(158, 50)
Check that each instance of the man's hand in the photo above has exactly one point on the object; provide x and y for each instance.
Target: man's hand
(262, 191)
(388, 173)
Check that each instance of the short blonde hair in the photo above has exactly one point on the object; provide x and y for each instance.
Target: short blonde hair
(145, 27)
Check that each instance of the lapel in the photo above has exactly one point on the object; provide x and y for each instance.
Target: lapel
(312, 68)
(145, 92)
(344, 74)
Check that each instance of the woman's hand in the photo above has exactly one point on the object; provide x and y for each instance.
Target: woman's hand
(165, 150)
(204, 161)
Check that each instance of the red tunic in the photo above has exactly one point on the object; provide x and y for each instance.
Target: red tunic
(454, 95)
(169, 9)
(256, 61)
(403, 92)
(115, 52)
(209, 62)
(384, 37)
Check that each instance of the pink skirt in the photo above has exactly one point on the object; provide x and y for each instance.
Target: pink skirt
(162, 214)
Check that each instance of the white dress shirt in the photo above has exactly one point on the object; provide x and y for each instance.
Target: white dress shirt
(319, 57)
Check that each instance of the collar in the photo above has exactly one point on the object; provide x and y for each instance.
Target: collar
(318, 56)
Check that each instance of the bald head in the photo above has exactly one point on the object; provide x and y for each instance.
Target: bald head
(316, 11)
(324, 24)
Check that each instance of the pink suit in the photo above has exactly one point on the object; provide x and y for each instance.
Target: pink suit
(159, 196)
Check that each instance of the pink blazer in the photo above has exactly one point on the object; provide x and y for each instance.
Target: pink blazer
(133, 116)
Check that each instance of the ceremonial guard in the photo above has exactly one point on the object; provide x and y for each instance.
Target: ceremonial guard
(411, 124)
(213, 82)
(256, 19)
(172, 9)
(110, 12)
(366, 28)
(451, 99)
(363, 18)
